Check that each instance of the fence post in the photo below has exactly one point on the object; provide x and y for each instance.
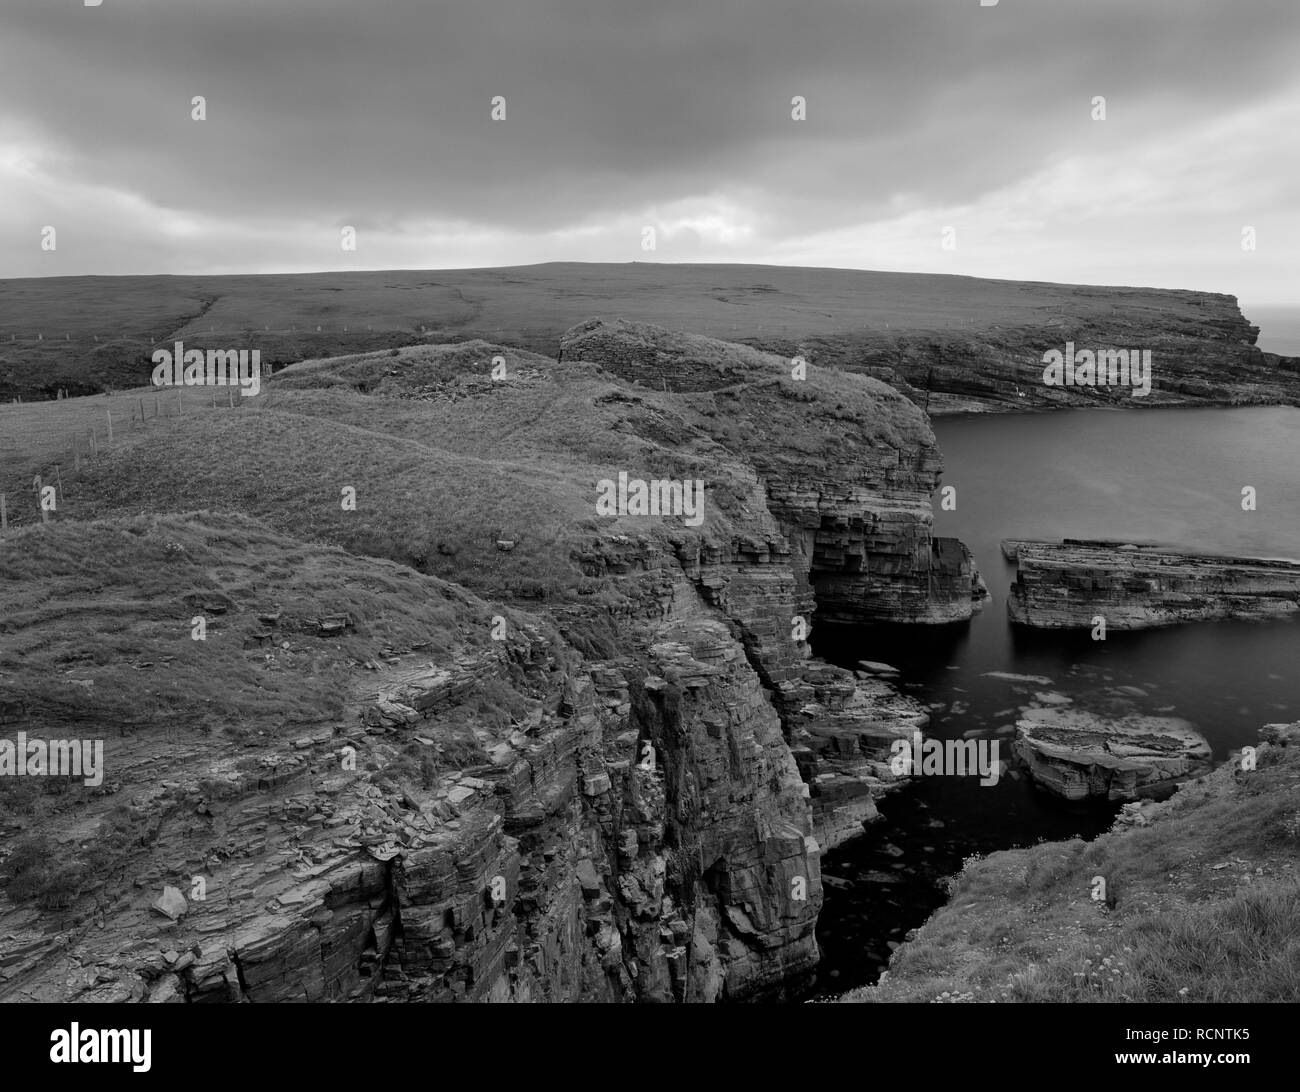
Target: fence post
(4, 516)
(38, 483)
(110, 426)
(94, 448)
(76, 453)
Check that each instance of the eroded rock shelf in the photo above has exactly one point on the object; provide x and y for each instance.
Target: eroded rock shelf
(1068, 585)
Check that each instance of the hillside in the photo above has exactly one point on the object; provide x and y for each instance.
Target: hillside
(974, 344)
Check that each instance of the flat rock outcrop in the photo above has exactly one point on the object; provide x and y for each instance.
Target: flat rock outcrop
(1075, 754)
(1067, 585)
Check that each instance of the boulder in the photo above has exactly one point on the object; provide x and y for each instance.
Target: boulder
(1076, 754)
(171, 904)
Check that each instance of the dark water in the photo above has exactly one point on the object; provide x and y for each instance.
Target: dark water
(1169, 476)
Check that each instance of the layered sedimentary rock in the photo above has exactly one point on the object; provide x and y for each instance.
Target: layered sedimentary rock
(839, 724)
(841, 740)
(640, 832)
(1076, 754)
(1202, 348)
(621, 795)
(845, 467)
(852, 502)
(1068, 584)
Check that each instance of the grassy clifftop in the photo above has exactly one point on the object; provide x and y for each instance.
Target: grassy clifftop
(965, 337)
(488, 482)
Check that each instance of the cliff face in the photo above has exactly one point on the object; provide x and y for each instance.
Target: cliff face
(621, 794)
(1202, 349)
(853, 503)
(845, 466)
(635, 831)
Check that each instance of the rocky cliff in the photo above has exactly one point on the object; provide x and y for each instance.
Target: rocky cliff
(613, 831)
(853, 505)
(1202, 350)
(468, 739)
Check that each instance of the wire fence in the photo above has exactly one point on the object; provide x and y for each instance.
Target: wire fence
(85, 434)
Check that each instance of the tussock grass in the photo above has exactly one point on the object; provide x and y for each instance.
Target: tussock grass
(436, 512)
(96, 643)
(491, 484)
(95, 623)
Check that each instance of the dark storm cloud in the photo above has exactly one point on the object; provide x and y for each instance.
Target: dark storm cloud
(378, 114)
(381, 110)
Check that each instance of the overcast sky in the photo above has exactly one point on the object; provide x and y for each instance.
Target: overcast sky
(672, 114)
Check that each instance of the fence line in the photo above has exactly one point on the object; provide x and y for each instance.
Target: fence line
(91, 443)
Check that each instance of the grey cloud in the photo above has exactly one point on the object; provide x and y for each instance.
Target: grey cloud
(377, 114)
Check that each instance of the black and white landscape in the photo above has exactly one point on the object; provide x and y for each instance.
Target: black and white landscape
(558, 501)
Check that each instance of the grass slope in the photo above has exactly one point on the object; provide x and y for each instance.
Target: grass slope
(96, 642)
(95, 622)
(488, 482)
